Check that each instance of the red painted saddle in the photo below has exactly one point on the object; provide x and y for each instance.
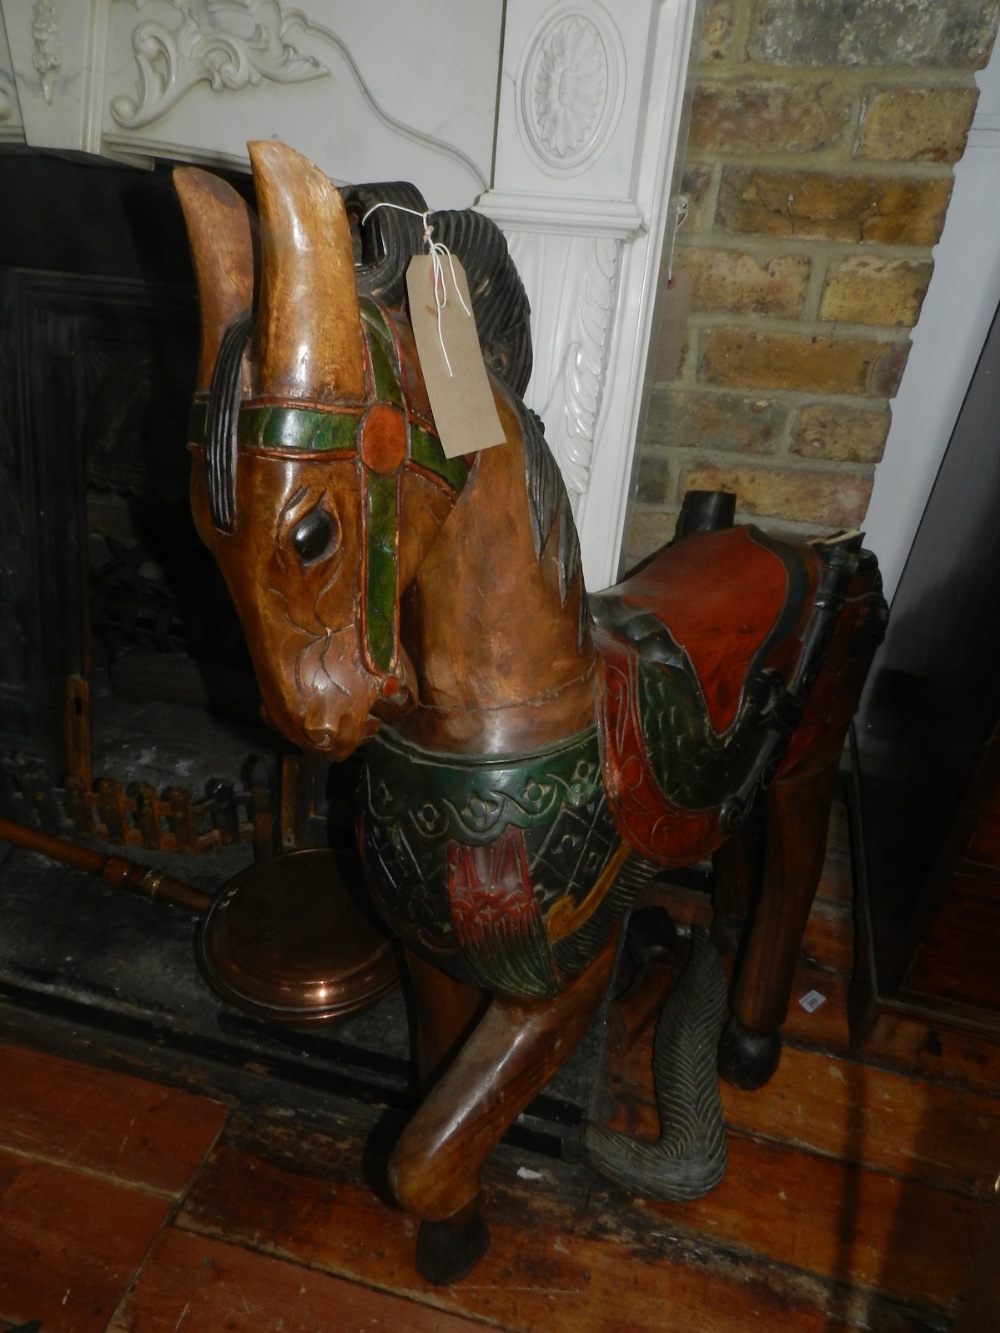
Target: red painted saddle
(707, 657)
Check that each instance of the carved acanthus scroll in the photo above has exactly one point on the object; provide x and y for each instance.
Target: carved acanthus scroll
(208, 46)
(576, 284)
(587, 361)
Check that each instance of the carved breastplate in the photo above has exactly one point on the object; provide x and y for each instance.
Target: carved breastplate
(507, 873)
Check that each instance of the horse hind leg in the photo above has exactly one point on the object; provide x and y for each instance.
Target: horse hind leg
(737, 869)
(797, 815)
(502, 1066)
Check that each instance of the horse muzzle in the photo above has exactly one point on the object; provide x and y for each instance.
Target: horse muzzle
(336, 733)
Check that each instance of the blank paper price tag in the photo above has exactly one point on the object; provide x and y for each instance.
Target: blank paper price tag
(457, 384)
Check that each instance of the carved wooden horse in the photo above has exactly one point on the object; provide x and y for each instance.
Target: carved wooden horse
(532, 757)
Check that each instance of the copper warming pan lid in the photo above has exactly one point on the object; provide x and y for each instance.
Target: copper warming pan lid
(289, 940)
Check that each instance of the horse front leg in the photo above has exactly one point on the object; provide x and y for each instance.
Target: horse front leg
(502, 1066)
(447, 1012)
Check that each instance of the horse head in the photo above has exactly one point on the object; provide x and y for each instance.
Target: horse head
(311, 435)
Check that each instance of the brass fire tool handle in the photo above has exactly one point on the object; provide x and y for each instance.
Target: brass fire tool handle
(120, 872)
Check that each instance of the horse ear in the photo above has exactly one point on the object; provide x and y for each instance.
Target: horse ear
(222, 231)
(308, 342)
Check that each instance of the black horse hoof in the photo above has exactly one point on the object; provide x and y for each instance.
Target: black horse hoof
(448, 1250)
(747, 1059)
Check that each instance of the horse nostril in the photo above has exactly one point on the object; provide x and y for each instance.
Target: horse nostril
(331, 737)
(319, 738)
(331, 729)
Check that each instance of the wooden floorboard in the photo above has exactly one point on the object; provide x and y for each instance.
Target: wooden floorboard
(70, 1242)
(103, 1121)
(193, 1284)
(784, 1240)
(858, 1194)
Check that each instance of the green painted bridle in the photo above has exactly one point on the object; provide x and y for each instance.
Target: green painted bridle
(390, 431)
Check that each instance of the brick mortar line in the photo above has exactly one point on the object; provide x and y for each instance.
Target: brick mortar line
(823, 162)
(777, 247)
(759, 462)
(893, 78)
(796, 398)
(836, 330)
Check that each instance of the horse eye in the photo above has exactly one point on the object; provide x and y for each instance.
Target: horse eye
(313, 536)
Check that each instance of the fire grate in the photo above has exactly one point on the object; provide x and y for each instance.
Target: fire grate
(136, 815)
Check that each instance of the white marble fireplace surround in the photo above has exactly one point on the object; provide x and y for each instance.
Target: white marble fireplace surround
(559, 120)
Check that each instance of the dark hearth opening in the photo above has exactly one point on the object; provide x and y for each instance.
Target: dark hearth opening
(127, 665)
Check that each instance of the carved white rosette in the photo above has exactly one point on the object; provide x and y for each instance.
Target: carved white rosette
(229, 45)
(570, 87)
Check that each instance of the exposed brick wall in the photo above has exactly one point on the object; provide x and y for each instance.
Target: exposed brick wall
(818, 171)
